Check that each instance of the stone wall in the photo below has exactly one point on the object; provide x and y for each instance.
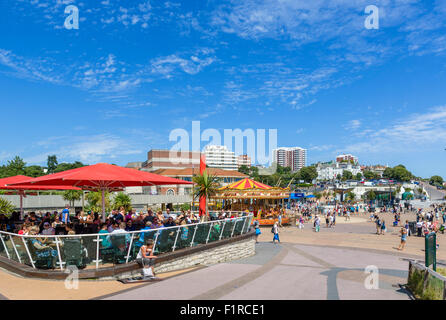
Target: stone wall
(230, 252)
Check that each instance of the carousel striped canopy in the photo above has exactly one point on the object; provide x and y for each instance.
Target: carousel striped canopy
(247, 184)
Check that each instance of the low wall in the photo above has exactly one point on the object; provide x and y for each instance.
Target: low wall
(229, 252)
(202, 255)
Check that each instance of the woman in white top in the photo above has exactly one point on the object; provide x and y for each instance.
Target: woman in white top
(146, 259)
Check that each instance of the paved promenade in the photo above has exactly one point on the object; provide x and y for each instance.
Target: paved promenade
(288, 272)
(306, 265)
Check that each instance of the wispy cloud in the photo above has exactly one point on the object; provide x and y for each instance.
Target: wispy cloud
(353, 124)
(89, 149)
(415, 133)
(192, 64)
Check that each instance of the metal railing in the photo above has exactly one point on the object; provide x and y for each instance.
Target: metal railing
(106, 249)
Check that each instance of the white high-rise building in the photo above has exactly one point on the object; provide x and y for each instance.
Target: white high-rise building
(220, 157)
(294, 158)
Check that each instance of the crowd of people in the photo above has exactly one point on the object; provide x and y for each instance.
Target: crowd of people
(61, 223)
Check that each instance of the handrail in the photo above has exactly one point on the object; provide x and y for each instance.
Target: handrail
(107, 234)
(7, 241)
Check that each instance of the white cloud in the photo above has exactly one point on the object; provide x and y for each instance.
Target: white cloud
(89, 149)
(353, 124)
(167, 66)
(415, 133)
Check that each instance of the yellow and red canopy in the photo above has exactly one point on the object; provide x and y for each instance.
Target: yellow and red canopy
(247, 184)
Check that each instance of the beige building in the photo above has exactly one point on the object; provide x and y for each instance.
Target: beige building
(244, 160)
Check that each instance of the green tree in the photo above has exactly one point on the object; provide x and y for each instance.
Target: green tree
(206, 186)
(52, 163)
(339, 177)
(122, 200)
(388, 173)
(351, 196)
(400, 173)
(436, 180)
(371, 195)
(317, 195)
(244, 169)
(94, 200)
(68, 166)
(6, 207)
(369, 175)
(72, 196)
(15, 167)
(34, 171)
(347, 175)
(359, 176)
(308, 174)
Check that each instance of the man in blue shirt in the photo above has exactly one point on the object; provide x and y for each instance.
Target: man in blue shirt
(66, 215)
(140, 242)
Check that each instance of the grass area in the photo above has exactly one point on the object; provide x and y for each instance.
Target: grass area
(434, 288)
(442, 271)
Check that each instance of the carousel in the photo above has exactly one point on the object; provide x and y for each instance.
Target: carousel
(264, 201)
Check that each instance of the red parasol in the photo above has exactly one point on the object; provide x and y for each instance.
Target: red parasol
(104, 177)
(21, 184)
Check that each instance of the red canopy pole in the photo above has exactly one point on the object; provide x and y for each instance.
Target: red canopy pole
(203, 200)
(21, 205)
(103, 204)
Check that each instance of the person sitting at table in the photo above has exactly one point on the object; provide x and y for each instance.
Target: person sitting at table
(56, 222)
(105, 243)
(82, 217)
(120, 217)
(43, 250)
(160, 216)
(169, 223)
(128, 216)
(25, 229)
(129, 226)
(48, 230)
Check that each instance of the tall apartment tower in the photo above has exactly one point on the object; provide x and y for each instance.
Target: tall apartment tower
(294, 158)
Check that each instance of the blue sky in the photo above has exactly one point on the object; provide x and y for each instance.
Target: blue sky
(135, 70)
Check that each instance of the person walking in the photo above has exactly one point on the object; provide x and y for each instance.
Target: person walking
(406, 226)
(419, 228)
(403, 239)
(378, 225)
(257, 228)
(275, 230)
(317, 223)
(301, 222)
(383, 227)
